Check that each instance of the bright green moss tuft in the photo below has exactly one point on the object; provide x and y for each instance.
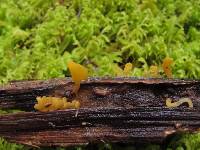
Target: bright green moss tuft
(185, 141)
(4, 145)
(37, 38)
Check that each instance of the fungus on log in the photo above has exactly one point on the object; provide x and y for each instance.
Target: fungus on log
(112, 110)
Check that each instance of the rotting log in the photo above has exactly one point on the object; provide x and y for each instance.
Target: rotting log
(101, 92)
(112, 110)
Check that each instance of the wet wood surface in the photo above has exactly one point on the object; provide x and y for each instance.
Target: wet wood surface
(112, 110)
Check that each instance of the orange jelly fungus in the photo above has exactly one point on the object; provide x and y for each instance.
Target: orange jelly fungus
(46, 104)
(154, 71)
(127, 69)
(166, 65)
(78, 73)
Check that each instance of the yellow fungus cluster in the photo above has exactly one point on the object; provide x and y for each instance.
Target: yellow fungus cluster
(46, 104)
(166, 67)
(152, 72)
(179, 102)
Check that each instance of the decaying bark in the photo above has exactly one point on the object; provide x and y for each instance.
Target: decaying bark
(112, 110)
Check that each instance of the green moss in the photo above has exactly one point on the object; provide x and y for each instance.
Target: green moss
(185, 141)
(37, 38)
(10, 111)
(4, 145)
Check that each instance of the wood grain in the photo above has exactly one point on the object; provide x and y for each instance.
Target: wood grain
(112, 110)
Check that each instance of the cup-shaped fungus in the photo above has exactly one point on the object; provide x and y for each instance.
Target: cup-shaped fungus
(78, 73)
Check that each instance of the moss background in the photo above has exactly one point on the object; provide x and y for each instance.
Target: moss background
(38, 38)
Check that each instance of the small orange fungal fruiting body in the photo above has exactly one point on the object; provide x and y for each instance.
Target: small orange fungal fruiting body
(154, 71)
(166, 65)
(78, 73)
(127, 69)
(46, 104)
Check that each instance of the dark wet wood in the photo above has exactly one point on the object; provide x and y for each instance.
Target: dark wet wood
(98, 92)
(112, 110)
